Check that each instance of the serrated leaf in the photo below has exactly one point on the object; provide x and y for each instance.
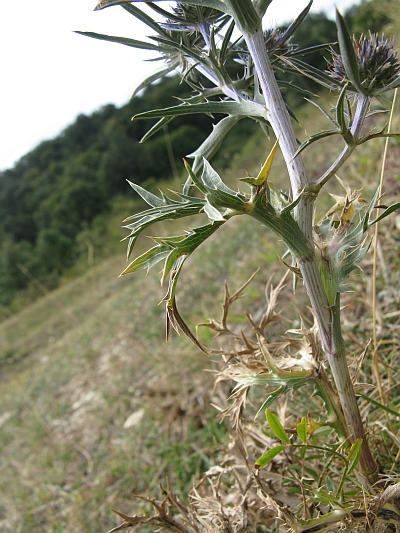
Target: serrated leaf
(213, 214)
(354, 455)
(242, 108)
(268, 456)
(147, 196)
(276, 427)
(348, 53)
(157, 127)
(119, 40)
(170, 262)
(147, 260)
(211, 145)
(153, 77)
(163, 208)
(218, 193)
(301, 430)
(394, 85)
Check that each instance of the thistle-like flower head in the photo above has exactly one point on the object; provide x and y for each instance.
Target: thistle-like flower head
(377, 62)
(190, 18)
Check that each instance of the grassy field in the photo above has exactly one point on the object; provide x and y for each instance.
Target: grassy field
(95, 407)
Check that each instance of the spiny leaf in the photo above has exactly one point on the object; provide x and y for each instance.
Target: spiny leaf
(219, 194)
(211, 145)
(242, 108)
(157, 127)
(147, 196)
(147, 260)
(268, 456)
(155, 76)
(276, 427)
(266, 169)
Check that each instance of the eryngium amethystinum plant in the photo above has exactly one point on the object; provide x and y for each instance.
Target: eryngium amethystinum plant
(202, 39)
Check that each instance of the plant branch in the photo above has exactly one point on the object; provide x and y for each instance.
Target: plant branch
(363, 103)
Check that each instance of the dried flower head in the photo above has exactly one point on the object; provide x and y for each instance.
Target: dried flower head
(378, 65)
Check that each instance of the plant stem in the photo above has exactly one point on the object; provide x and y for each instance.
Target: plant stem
(363, 103)
(347, 395)
(328, 319)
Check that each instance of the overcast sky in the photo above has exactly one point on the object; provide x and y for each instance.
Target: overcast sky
(49, 74)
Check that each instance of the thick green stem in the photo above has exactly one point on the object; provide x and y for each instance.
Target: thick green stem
(337, 359)
(328, 319)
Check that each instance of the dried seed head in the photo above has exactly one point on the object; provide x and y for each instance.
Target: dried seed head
(378, 65)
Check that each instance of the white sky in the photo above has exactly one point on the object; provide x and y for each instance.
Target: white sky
(49, 74)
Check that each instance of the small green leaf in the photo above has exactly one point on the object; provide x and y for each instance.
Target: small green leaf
(354, 455)
(276, 427)
(330, 485)
(268, 456)
(302, 430)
